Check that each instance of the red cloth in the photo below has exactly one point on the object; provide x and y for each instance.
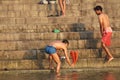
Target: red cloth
(106, 39)
(74, 56)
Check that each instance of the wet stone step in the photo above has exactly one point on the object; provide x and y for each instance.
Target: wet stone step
(36, 53)
(94, 63)
(43, 64)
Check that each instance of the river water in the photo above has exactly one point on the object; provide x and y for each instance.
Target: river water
(68, 75)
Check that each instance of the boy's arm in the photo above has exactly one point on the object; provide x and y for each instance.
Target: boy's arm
(101, 25)
(67, 58)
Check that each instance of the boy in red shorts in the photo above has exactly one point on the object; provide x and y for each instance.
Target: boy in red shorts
(105, 30)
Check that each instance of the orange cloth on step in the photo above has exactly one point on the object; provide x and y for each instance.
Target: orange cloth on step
(74, 56)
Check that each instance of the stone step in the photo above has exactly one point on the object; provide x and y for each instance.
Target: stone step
(36, 7)
(38, 13)
(19, 64)
(36, 10)
(14, 55)
(11, 27)
(83, 35)
(43, 64)
(95, 63)
(40, 44)
(39, 20)
(35, 54)
(63, 27)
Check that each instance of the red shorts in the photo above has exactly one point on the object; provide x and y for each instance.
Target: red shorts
(106, 38)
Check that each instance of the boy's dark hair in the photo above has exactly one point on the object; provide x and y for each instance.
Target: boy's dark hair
(98, 8)
(65, 41)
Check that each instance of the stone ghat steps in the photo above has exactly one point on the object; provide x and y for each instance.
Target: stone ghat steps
(37, 7)
(37, 10)
(43, 64)
(7, 26)
(40, 44)
(38, 13)
(39, 20)
(33, 36)
(40, 54)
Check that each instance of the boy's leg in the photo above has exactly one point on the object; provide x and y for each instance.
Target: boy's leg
(61, 6)
(107, 52)
(64, 7)
(57, 60)
(51, 66)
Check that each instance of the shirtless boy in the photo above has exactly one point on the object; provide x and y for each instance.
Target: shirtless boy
(51, 50)
(106, 31)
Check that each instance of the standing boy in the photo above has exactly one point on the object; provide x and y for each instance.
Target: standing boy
(106, 31)
(51, 50)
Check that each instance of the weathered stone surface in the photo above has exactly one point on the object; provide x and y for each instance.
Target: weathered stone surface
(13, 55)
(75, 27)
(43, 64)
(7, 20)
(37, 53)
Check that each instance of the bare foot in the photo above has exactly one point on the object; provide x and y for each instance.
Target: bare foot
(58, 74)
(62, 16)
(51, 67)
(110, 59)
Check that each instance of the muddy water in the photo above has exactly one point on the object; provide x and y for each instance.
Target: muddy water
(82, 75)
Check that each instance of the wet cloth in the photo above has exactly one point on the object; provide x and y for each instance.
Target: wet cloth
(50, 50)
(106, 38)
(74, 56)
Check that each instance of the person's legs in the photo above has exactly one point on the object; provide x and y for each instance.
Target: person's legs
(51, 51)
(109, 55)
(57, 60)
(62, 6)
(51, 66)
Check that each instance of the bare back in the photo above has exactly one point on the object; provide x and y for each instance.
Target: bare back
(104, 21)
(58, 45)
